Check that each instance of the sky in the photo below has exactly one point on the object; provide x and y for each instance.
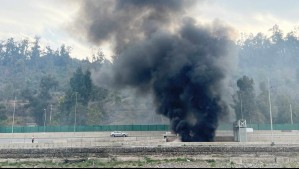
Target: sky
(50, 19)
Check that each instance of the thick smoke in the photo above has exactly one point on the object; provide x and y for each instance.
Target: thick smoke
(187, 70)
(124, 21)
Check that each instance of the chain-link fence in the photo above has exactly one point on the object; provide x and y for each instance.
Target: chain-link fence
(99, 128)
(139, 135)
(103, 128)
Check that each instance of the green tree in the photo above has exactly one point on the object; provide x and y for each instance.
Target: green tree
(246, 101)
(82, 84)
(262, 103)
(63, 56)
(95, 113)
(281, 109)
(35, 50)
(23, 48)
(46, 84)
(38, 101)
(11, 52)
(277, 34)
(3, 116)
(79, 94)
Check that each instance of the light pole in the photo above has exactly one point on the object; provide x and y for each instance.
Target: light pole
(241, 106)
(13, 116)
(75, 114)
(45, 120)
(270, 110)
(291, 114)
(51, 115)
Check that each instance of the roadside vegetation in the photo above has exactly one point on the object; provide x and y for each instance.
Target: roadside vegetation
(148, 162)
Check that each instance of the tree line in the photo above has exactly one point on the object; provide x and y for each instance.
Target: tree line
(274, 57)
(43, 81)
(49, 81)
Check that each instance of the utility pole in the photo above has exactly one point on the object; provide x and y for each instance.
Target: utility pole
(13, 116)
(75, 113)
(240, 94)
(270, 109)
(51, 114)
(291, 114)
(45, 120)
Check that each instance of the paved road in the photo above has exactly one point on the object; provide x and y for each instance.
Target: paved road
(74, 138)
(22, 140)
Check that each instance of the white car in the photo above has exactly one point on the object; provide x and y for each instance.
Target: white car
(118, 134)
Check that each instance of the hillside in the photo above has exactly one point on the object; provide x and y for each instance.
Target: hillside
(41, 78)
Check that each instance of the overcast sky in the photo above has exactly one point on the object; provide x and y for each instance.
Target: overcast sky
(49, 19)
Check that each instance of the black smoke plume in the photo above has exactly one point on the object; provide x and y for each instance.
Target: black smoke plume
(124, 21)
(187, 69)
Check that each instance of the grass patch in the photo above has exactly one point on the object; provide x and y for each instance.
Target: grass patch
(181, 160)
(293, 165)
(94, 163)
(212, 163)
(232, 164)
(148, 160)
(265, 165)
(177, 160)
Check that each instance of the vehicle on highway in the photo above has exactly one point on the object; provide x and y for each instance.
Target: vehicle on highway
(118, 134)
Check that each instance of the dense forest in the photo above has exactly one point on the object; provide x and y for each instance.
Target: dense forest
(44, 84)
(268, 63)
(38, 84)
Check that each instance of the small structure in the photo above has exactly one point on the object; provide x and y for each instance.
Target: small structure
(240, 131)
(170, 137)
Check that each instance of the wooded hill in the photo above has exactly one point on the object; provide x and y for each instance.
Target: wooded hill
(46, 80)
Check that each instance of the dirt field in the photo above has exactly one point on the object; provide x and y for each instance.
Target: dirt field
(208, 161)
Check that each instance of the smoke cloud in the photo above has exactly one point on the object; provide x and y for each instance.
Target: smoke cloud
(124, 21)
(187, 69)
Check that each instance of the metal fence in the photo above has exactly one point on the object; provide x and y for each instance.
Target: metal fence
(263, 126)
(103, 128)
(100, 128)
